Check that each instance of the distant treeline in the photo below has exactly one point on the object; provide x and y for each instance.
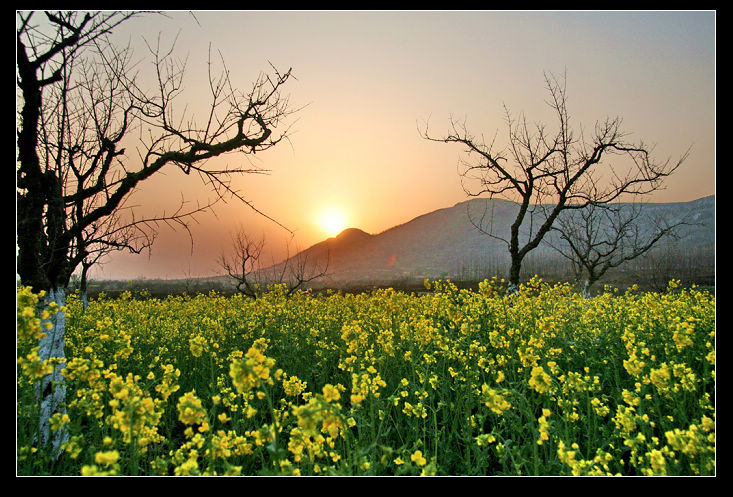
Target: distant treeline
(651, 272)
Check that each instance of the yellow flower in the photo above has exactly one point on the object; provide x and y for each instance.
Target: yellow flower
(92, 470)
(539, 380)
(485, 439)
(72, 447)
(107, 458)
(543, 426)
(494, 400)
(253, 370)
(331, 393)
(660, 376)
(58, 421)
(418, 458)
(190, 410)
(196, 345)
(293, 386)
(657, 462)
(189, 468)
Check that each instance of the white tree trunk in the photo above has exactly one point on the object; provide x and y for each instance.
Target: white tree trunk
(585, 289)
(51, 391)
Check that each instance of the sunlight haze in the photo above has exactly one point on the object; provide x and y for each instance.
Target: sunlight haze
(332, 221)
(367, 84)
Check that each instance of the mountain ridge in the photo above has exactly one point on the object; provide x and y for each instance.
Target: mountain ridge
(445, 243)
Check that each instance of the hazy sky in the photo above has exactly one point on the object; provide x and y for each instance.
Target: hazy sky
(370, 80)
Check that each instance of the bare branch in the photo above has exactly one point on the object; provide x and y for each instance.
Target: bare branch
(75, 173)
(602, 237)
(548, 172)
(245, 268)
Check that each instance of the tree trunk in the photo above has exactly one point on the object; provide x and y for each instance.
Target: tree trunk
(514, 271)
(84, 299)
(83, 287)
(585, 288)
(51, 390)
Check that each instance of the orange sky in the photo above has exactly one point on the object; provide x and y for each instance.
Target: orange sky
(371, 79)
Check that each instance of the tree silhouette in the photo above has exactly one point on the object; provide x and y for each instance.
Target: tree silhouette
(90, 133)
(548, 172)
(251, 277)
(601, 237)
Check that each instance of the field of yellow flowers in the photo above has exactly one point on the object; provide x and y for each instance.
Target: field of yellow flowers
(452, 382)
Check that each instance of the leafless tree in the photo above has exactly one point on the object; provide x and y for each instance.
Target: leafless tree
(91, 131)
(601, 237)
(298, 271)
(251, 277)
(244, 265)
(548, 172)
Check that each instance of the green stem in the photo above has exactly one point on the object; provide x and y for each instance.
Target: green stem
(133, 441)
(436, 435)
(275, 428)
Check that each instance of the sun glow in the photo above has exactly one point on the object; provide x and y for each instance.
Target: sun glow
(332, 221)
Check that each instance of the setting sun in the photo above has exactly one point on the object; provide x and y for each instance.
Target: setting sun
(332, 221)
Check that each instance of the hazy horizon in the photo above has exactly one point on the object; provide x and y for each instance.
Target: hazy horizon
(266, 263)
(368, 81)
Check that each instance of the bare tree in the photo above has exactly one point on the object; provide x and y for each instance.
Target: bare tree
(548, 172)
(252, 278)
(82, 106)
(601, 237)
(244, 265)
(298, 271)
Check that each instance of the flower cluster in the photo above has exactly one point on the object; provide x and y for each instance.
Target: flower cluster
(540, 381)
(254, 369)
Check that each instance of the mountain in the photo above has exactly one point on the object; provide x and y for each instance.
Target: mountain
(447, 244)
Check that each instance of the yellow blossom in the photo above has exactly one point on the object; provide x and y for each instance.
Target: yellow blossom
(107, 458)
(418, 458)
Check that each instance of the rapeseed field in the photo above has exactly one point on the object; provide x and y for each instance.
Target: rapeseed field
(450, 382)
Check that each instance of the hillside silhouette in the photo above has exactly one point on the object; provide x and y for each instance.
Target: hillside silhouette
(446, 243)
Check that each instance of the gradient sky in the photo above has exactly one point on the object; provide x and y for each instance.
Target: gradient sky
(370, 80)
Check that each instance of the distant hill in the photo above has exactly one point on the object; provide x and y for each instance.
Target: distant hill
(447, 244)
